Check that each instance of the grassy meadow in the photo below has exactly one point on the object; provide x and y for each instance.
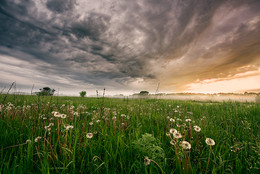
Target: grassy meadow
(104, 135)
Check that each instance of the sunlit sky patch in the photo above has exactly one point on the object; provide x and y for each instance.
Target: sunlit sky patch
(128, 46)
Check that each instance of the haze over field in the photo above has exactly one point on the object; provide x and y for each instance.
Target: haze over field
(129, 46)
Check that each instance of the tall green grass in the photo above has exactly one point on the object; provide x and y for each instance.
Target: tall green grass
(120, 145)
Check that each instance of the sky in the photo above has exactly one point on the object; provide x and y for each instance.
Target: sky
(202, 46)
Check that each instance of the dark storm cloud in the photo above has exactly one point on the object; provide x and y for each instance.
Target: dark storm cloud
(60, 6)
(92, 27)
(126, 44)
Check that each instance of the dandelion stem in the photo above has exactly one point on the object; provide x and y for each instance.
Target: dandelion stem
(158, 166)
(208, 159)
(176, 151)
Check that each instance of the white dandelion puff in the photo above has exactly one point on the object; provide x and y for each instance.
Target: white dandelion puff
(63, 116)
(28, 141)
(197, 128)
(89, 135)
(69, 127)
(188, 120)
(173, 142)
(147, 161)
(114, 118)
(173, 130)
(172, 120)
(185, 145)
(177, 135)
(210, 142)
(37, 139)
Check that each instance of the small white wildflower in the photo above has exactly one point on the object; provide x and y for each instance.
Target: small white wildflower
(98, 121)
(63, 116)
(56, 114)
(69, 127)
(172, 120)
(114, 118)
(91, 123)
(147, 161)
(197, 128)
(177, 135)
(210, 142)
(123, 115)
(89, 135)
(28, 141)
(37, 139)
(185, 145)
(173, 142)
(173, 130)
(188, 120)
(168, 134)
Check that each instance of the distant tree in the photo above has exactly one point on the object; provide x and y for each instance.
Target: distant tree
(46, 91)
(83, 93)
(144, 93)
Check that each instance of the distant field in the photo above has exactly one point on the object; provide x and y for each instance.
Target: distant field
(103, 135)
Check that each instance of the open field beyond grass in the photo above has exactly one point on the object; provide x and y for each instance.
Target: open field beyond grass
(103, 135)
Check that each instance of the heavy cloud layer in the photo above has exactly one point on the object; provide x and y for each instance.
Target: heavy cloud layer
(127, 45)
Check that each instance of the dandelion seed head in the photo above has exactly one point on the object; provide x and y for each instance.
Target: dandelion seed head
(28, 141)
(91, 123)
(55, 113)
(37, 139)
(173, 130)
(63, 116)
(89, 135)
(147, 161)
(188, 120)
(210, 142)
(177, 135)
(69, 127)
(185, 145)
(173, 142)
(197, 128)
(172, 120)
